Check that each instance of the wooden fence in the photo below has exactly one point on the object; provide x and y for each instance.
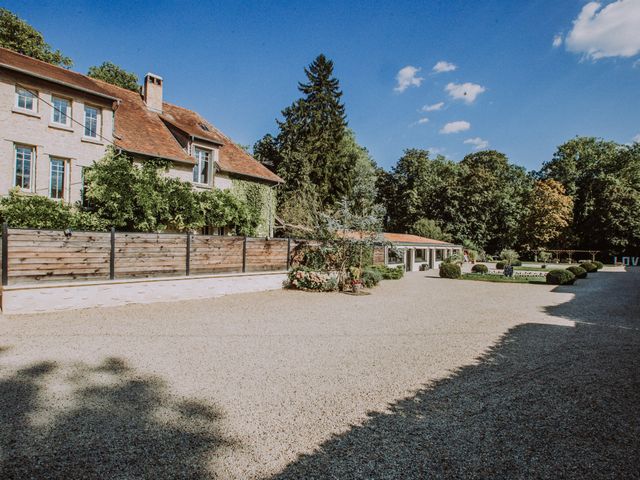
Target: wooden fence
(30, 256)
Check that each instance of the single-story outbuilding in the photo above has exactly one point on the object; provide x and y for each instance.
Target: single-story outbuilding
(415, 252)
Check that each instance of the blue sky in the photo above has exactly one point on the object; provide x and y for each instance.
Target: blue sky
(238, 64)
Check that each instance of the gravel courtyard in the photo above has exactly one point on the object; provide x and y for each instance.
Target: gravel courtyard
(424, 378)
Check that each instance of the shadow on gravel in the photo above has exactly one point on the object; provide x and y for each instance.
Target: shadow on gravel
(101, 422)
(547, 401)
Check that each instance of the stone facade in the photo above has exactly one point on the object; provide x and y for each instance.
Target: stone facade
(61, 149)
(36, 130)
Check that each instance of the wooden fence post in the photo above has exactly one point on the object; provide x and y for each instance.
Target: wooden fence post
(5, 254)
(188, 266)
(288, 253)
(244, 255)
(112, 255)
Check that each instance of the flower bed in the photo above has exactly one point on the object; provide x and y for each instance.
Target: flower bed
(310, 280)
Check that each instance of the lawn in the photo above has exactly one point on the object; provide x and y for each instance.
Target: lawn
(478, 277)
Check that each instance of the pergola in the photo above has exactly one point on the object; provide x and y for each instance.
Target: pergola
(570, 252)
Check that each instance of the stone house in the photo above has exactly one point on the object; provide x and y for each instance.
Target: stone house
(54, 123)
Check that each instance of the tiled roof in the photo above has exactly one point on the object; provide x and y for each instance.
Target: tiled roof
(139, 130)
(22, 63)
(407, 238)
(232, 158)
(402, 238)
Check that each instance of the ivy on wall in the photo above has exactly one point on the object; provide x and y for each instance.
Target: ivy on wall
(260, 199)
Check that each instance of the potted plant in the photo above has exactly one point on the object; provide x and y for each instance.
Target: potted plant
(356, 279)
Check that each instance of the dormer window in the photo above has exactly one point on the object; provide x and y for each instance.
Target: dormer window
(203, 166)
(26, 99)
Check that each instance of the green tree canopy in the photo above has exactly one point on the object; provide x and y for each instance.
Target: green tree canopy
(428, 228)
(307, 152)
(603, 179)
(480, 200)
(549, 215)
(19, 36)
(111, 73)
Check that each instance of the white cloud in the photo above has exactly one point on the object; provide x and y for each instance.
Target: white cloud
(407, 77)
(442, 67)
(477, 142)
(455, 127)
(433, 108)
(464, 91)
(557, 40)
(420, 121)
(612, 31)
(636, 138)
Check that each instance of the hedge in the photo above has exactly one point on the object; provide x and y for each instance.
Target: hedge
(479, 268)
(389, 273)
(560, 277)
(579, 272)
(450, 270)
(589, 267)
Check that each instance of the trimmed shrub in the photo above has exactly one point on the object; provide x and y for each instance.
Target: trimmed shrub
(598, 264)
(500, 265)
(579, 272)
(479, 268)
(450, 270)
(589, 267)
(560, 277)
(516, 263)
(371, 277)
(389, 273)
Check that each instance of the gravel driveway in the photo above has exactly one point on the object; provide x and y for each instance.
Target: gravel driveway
(424, 378)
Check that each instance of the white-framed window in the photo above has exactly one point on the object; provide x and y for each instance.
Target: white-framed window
(91, 121)
(395, 255)
(26, 99)
(25, 159)
(201, 172)
(61, 113)
(57, 170)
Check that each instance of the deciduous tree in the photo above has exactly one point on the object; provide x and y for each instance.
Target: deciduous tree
(111, 73)
(549, 216)
(19, 36)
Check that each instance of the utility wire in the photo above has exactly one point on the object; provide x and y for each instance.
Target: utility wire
(35, 94)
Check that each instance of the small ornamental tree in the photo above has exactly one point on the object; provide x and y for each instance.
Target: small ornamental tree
(346, 242)
(509, 256)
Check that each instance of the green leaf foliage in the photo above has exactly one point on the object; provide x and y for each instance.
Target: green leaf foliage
(35, 211)
(560, 277)
(428, 228)
(19, 36)
(111, 73)
(579, 272)
(603, 179)
(450, 270)
(139, 196)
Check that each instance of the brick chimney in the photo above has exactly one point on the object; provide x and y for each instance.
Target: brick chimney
(152, 92)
